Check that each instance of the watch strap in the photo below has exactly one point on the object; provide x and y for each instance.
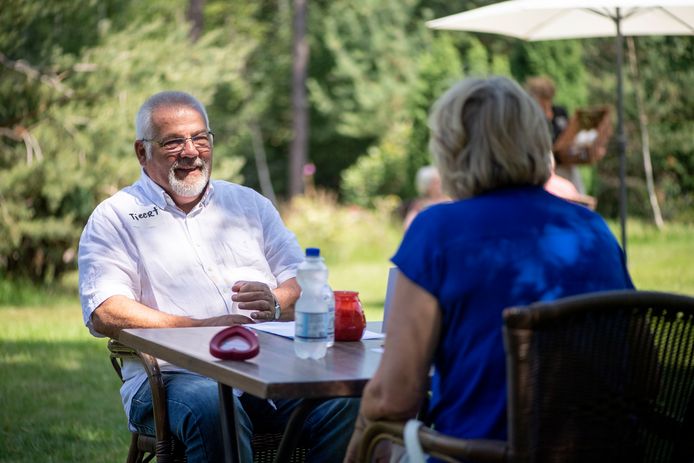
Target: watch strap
(278, 308)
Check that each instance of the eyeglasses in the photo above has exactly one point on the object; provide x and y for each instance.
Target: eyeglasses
(202, 142)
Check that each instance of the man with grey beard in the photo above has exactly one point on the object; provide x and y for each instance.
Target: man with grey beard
(177, 249)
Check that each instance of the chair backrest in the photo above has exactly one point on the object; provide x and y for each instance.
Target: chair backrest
(602, 377)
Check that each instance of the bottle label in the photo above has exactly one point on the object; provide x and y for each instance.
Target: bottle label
(310, 327)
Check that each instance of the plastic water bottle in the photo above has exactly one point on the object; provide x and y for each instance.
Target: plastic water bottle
(329, 296)
(311, 310)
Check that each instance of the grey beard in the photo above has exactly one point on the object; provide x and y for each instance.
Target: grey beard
(186, 189)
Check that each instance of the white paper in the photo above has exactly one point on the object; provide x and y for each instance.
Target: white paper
(286, 329)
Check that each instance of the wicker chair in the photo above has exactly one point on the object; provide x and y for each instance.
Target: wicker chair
(143, 448)
(164, 446)
(602, 377)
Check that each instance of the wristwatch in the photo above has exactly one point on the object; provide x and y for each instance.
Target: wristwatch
(278, 308)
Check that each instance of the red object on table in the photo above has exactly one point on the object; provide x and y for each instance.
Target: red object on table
(246, 346)
(350, 321)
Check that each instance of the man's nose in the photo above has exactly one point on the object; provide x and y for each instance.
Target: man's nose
(189, 149)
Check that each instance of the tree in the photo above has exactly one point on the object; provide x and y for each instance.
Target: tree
(363, 67)
(84, 135)
(562, 60)
(300, 53)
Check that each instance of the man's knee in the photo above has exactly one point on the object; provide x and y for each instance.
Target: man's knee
(335, 413)
(193, 405)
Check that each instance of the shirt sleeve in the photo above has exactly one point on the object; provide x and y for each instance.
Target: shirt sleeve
(282, 250)
(418, 256)
(106, 266)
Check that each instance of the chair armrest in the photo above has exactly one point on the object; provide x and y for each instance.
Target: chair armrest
(118, 352)
(434, 443)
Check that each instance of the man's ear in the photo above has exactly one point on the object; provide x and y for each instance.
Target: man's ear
(141, 152)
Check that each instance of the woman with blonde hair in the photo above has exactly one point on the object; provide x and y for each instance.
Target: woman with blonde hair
(503, 241)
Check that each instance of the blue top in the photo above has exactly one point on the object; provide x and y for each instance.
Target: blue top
(478, 256)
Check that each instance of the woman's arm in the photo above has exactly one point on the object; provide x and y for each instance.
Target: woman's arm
(398, 386)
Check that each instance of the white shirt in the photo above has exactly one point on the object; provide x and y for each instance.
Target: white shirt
(139, 244)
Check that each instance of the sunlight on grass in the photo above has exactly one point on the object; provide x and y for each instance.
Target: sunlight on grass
(661, 260)
(58, 392)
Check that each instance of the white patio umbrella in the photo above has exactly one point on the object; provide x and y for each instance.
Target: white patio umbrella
(536, 20)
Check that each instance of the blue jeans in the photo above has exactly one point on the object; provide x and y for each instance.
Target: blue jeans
(193, 406)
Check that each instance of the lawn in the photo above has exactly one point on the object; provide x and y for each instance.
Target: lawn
(59, 397)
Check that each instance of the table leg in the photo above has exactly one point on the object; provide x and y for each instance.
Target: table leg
(229, 424)
(293, 430)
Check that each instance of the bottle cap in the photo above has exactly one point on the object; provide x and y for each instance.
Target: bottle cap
(312, 252)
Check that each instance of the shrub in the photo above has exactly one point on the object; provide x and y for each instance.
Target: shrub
(343, 232)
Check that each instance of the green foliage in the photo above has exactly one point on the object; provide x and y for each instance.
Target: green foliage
(670, 111)
(344, 233)
(665, 79)
(80, 150)
(73, 72)
(562, 60)
(372, 49)
(364, 57)
(382, 171)
(438, 68)
(265, 100)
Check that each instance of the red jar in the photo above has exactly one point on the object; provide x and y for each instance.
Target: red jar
(350, 321)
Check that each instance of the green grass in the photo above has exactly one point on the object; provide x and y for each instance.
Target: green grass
(661, 261)
(58, 394)
(59, 398)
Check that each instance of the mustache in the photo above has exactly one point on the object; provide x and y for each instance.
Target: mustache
(197, 162)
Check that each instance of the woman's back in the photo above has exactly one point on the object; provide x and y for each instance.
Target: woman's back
(461, 264)
(512, 246)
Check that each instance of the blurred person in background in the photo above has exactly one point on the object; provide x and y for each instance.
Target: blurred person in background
(542, 89)
(503, 241)
(428, 184)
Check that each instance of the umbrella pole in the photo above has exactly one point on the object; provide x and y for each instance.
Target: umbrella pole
(621, 139)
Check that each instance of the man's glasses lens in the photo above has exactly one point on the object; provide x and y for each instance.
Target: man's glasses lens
(202, 142)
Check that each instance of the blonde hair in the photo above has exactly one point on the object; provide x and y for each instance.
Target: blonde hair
(540, 87)
(488, 134)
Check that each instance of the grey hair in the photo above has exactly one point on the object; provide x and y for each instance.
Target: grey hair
(143, 120)
(425, 175)
(487, 134)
